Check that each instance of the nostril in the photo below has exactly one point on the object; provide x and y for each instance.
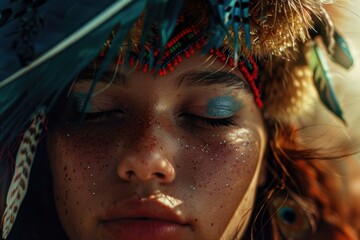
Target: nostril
(159, 175)
(129, 174)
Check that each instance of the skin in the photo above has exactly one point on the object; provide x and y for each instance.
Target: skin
(151, 148)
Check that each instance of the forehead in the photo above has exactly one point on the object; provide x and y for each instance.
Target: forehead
(198, 70)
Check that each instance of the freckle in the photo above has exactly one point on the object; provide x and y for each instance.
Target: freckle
(66, 212)
(195, 220)
(65, 168)
(212, 224)
(77, 203)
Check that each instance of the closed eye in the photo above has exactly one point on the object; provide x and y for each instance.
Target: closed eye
(95, 117)
(205, 122)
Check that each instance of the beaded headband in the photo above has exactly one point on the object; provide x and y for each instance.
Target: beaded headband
(183, 44)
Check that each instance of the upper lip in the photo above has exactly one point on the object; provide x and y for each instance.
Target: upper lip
(135, 208)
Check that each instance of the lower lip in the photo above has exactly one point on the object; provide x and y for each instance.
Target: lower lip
(143, 229)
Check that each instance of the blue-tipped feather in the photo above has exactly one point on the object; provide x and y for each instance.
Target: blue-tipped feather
(341, 53)
(335, 45)
(323, 81)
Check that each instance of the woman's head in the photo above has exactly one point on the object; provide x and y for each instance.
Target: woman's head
(178, 155)
(190, 142)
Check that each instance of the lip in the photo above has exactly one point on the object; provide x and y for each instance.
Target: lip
(143, 219)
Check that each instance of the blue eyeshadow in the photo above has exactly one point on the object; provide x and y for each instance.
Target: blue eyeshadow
(223, 106)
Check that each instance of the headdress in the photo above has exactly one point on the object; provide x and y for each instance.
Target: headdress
(46, 43)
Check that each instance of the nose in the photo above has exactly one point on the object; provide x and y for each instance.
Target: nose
(145, 160)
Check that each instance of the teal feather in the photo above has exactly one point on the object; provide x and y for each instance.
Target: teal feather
(164, 13)
(226, 15)
(37, 83)
(323, 82)
(43, 57)
(341, 53)
(111, 53)
(246, 22)
(335, 44)
(216, 29)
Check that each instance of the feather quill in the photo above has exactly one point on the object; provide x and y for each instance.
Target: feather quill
(23, 164)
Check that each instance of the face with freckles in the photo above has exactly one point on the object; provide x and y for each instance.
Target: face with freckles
(171, 157)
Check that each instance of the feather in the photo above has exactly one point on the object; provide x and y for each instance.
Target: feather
(341, 53)
(323, 81)
(246, 22)
(335, 45)
(229, 16)
(70, 49)
(165, 14)
(295, 217)
(23, 164)
(216, 29)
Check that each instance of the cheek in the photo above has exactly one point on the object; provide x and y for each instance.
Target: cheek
(80, 166)
(217, 171)
(220, 162)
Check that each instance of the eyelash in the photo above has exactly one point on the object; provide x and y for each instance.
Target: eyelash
(209, 122)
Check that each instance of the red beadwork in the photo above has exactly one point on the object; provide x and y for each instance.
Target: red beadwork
(187, 38)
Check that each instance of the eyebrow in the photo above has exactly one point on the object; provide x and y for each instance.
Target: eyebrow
(188, 79)
(109, 76)
(208, 78)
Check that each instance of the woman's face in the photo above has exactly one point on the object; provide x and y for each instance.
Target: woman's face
(171, 157)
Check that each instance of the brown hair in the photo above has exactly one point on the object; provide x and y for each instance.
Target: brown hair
(307, 180)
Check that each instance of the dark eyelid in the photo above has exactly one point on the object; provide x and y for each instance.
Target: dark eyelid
(208, 78)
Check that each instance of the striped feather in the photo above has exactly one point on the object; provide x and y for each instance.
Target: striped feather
(20, 180)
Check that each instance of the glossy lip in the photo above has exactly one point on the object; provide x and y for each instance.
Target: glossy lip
(148, 218)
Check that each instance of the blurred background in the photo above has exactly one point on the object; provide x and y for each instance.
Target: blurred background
(346, 17)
